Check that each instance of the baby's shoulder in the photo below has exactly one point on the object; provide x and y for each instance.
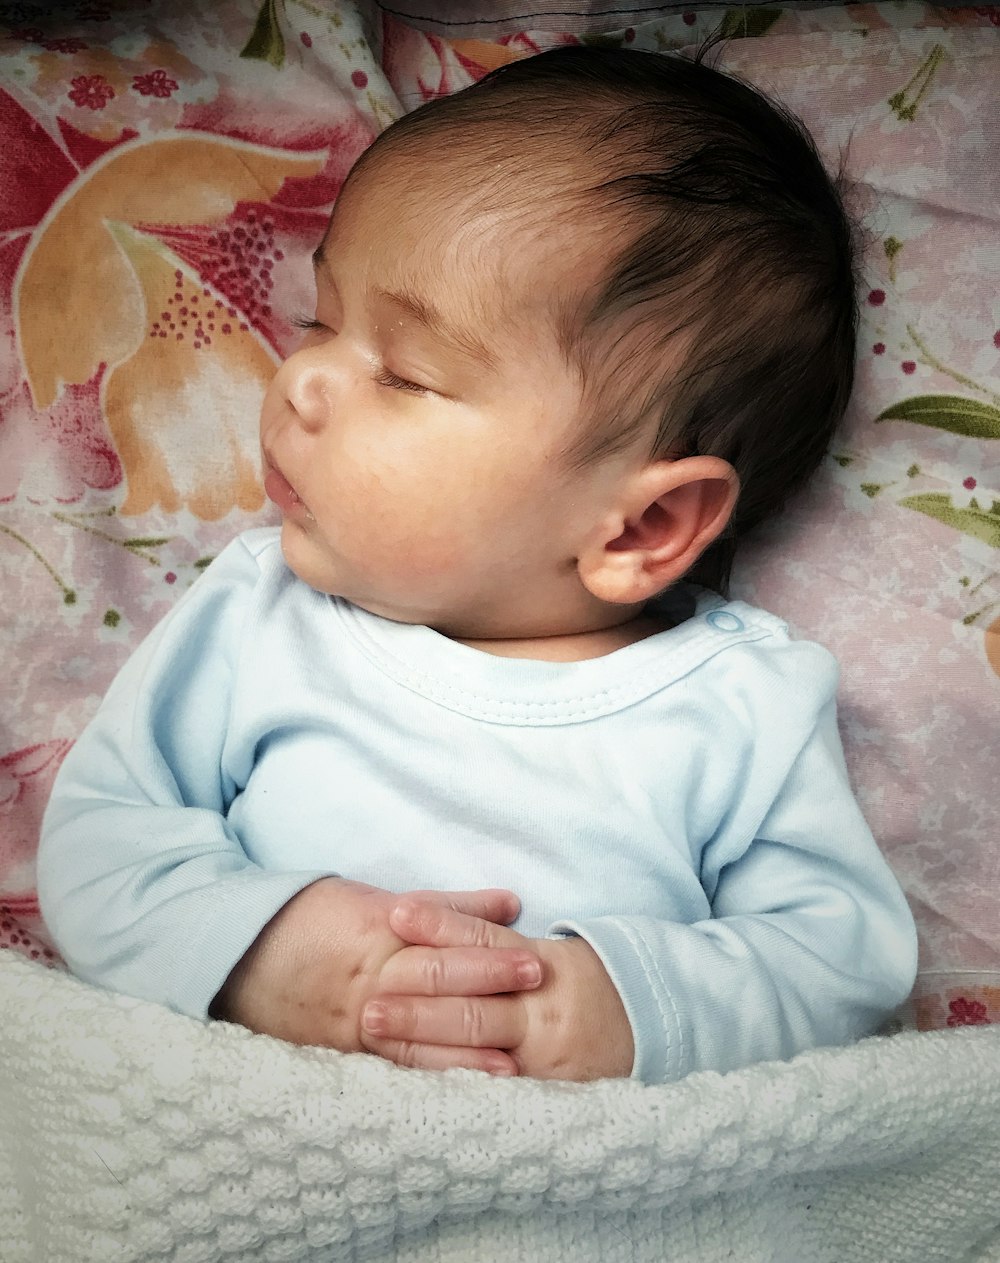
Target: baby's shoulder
(248, 558)
(735, 643)
(262, 543)
(248, 574)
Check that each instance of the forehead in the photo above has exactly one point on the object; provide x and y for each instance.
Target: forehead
(458, 231)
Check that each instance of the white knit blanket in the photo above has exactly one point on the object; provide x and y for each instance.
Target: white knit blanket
(131, 1133)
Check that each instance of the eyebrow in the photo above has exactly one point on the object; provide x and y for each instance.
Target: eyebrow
(463, 339)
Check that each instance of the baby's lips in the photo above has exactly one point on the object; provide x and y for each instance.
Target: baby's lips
(281, 491)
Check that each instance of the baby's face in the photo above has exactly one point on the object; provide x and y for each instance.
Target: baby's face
(415, 441)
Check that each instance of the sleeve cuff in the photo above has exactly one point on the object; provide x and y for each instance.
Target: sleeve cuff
(661, 1051)
(233, 913)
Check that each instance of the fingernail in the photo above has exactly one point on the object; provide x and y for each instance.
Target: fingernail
(505, 1071)
(373, 1018)
(530, 973)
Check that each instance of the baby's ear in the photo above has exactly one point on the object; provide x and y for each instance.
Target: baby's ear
(667, 515)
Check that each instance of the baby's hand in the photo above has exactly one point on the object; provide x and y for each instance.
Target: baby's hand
(573, 1026)
(311, 970)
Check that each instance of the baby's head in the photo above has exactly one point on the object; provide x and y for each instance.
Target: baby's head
(563, 318)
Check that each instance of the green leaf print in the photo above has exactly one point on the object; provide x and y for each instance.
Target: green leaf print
(954, 413)
(266, 43)
(901, 104)
(740, 23)
(148, 541)
(974, 522)
(603, 41)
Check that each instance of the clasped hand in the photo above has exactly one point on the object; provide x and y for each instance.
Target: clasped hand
(430, 979)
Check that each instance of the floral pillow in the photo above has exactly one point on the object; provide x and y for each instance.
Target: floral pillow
(164, 179)
(894, 560)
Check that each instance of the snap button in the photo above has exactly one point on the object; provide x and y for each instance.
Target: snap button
(722, 620)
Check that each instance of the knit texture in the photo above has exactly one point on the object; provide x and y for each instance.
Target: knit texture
(134, 1133)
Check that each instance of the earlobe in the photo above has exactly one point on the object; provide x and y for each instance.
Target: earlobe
(670, 513)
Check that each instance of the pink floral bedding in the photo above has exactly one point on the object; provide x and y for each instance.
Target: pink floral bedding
(163, 178)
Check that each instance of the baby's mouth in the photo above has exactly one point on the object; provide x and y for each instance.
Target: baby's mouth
(280, 490)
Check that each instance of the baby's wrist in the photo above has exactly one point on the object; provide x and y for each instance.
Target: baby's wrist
(595, 1035)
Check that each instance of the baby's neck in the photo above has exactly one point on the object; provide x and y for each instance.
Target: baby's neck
(577, 646)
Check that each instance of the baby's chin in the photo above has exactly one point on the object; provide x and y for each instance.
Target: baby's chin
(320, 580)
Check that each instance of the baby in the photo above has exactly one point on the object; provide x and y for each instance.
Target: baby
(458, 766)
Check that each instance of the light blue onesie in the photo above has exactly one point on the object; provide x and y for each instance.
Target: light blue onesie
(681, 803)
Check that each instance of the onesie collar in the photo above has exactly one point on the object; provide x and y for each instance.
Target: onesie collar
(528, 692)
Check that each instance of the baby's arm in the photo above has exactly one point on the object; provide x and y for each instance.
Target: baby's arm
(144, 883)
(141, 878)
(810, 940)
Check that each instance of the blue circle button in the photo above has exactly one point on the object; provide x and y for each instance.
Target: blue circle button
(722, 620)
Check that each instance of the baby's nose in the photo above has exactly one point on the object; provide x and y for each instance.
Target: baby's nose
(308, 389)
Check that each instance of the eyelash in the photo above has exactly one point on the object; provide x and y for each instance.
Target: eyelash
(305, 322)
(384, 378)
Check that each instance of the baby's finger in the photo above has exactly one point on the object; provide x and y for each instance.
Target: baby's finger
(439, 1057)
(501, 906)
(459, 971)
(460, 1021)
(437, 925)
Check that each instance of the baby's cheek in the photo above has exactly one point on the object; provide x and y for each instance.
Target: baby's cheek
(420, 563)
(412, 533)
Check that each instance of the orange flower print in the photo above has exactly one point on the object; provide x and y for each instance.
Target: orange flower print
(98, 285)
(966, 1004)
(993, 645)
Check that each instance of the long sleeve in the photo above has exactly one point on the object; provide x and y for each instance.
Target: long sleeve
(810, 940)
(142, 881)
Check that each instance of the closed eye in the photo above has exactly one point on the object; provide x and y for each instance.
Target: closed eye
(385, 378)
(307, 323)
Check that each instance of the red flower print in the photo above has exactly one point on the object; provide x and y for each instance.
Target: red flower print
(877, 297)
(26, 778)
(155, 83)
(92, 91)
(21, 928)
(64, 45)
(419, 65)
(962, 1012)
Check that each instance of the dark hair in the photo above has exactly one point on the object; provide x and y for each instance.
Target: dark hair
(724, 229)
